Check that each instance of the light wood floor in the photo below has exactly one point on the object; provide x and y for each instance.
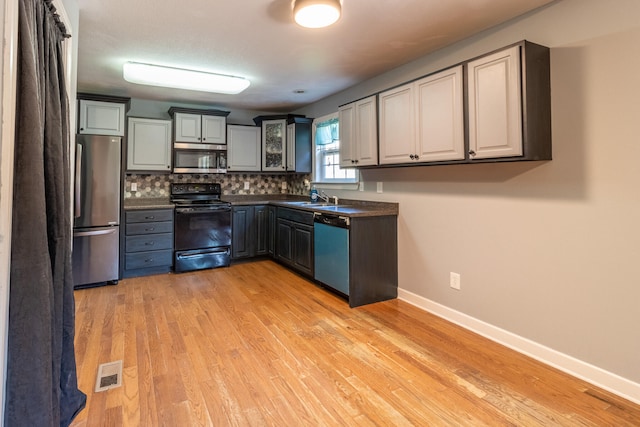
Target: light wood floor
(254, 344)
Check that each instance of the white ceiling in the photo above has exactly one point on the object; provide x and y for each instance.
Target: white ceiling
(258, 39)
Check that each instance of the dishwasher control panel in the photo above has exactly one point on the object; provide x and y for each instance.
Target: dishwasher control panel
(332, 220)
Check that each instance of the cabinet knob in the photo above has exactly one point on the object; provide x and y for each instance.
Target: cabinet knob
(81, 128)
(472, 153)
(411, 156)
(204, 139)
(416, 157)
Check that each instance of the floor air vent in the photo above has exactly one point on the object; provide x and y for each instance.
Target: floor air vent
(109, 376)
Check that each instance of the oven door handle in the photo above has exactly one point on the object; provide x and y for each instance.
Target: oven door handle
(201, 253)
(203, 209)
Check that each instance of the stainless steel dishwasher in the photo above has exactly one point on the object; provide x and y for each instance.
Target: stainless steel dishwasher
(331, 251)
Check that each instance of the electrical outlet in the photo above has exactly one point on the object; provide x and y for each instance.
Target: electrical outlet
(454, 280)
(134, 186)
(246, 185)
(379, 187)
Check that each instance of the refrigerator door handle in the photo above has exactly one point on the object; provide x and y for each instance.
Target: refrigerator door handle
(78, 183)
(93, 233)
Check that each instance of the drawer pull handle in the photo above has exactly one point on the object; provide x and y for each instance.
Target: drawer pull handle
(149, 243)
(148, 260)
(149, 217)
(149, 229)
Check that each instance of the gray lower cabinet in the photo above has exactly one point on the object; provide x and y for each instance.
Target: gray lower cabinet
(264, 230)
(252, 231)
(242, 232)
(148, 242)
(373, 260)
(294, 240)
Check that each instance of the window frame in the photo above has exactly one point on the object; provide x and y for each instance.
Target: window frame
(349, 183)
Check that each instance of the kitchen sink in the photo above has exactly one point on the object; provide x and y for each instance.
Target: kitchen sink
(312, 204)
(320, 205)
(327, 207)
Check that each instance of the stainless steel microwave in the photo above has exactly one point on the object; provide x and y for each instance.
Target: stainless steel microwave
(199, 158)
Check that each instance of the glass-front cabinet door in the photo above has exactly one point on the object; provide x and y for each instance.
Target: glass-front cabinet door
(274, 145)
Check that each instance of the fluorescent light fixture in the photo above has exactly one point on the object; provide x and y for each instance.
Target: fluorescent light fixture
(316, 13)
(178, 78)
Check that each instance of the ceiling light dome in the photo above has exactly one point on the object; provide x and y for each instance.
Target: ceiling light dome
(316, 13)
(179, 78)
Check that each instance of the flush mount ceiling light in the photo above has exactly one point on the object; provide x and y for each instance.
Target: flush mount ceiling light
(178, 78)
(316, 13)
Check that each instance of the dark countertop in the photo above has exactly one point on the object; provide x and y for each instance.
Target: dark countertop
(147, 203)
(346, 207)
(260, 199)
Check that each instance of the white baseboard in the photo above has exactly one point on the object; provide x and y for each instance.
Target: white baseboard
(577, 368)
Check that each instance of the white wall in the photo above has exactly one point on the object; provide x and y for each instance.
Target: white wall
(547, 251)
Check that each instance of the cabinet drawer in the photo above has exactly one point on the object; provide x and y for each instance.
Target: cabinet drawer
(149, 215)
(148, 259)
(294, 215)
(149, 228)
(149, 242)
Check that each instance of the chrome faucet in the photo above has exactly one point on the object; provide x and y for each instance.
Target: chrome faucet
(326, 198)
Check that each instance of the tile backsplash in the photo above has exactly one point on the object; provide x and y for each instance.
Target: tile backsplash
(154, 186)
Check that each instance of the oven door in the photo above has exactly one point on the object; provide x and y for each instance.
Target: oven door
(202, 227)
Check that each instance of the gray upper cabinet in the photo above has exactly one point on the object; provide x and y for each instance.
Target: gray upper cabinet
(243, 148)
(358, 133)
(149, 145)
(495, 105)
(101, 118)
(423, 121)
(509, 101)
(493, 108)
(299, 151)
(274, 145)
(196, 128)
(286, 143)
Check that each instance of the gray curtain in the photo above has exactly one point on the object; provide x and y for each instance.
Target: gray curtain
(41, 384)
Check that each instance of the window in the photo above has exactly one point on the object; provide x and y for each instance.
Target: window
(326, 137)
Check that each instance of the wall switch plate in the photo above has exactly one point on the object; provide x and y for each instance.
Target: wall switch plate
(454, 280)
(284, 185)
(246, 185)
(134, 186)
(379, 187)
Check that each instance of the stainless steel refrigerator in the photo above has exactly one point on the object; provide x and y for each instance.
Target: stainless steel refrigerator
(96, 226)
